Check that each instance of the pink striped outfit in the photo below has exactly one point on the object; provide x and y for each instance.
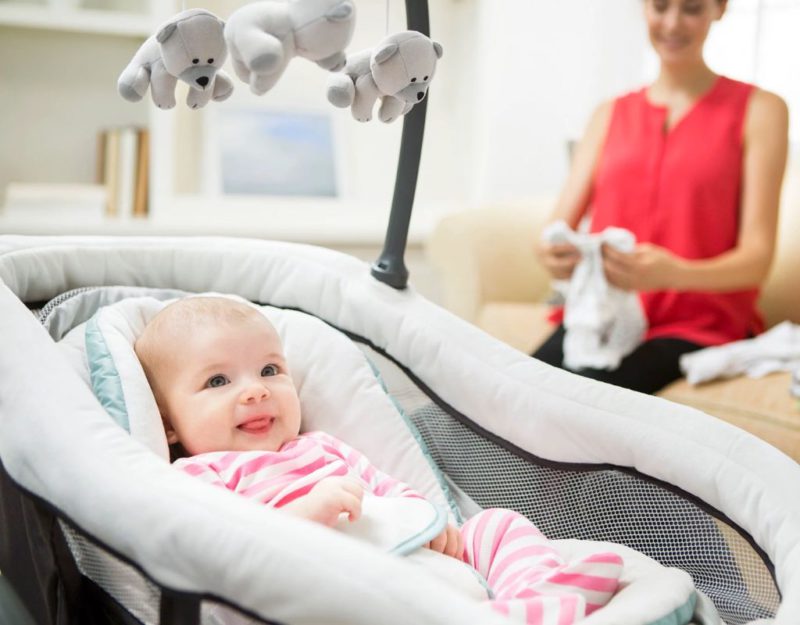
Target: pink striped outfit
(530, 581)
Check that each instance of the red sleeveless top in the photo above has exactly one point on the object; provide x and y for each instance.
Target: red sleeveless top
(681, 190)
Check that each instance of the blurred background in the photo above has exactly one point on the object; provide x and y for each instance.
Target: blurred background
(516, 85)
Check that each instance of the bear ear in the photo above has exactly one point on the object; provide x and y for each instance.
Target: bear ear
(166, 32)
(341, 12)
(437, 48)
(386, 52)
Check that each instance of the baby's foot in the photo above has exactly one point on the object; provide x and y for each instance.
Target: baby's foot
(595, 577)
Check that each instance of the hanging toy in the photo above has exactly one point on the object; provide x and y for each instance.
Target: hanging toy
(190, 47)
(264, 36)
(398, 70)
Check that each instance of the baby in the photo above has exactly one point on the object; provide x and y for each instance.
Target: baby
(229, 405)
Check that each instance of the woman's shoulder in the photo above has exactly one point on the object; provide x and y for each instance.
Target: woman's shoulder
(768, 102)
(758, 97)
(767, 112)
(601, 115)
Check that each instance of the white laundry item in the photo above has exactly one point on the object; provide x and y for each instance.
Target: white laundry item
(603, 324)
(775, 350)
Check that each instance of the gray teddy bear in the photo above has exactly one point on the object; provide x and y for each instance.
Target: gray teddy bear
(398, 70)
(264, 36)
(190, 47)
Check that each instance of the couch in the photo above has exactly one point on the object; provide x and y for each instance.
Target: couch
(488, 274)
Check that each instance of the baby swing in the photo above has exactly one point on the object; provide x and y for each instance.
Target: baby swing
(98, 528)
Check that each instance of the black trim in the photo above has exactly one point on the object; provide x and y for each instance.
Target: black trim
(98, 607)
(178, 608)
(34, 557)
(390, 267)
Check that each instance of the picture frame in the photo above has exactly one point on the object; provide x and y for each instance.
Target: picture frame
(274, 151)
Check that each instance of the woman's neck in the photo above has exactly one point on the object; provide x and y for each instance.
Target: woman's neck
(691, 81)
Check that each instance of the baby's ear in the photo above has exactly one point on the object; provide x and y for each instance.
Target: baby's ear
(172, 435)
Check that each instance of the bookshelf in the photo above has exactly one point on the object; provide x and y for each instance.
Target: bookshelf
(64, 57)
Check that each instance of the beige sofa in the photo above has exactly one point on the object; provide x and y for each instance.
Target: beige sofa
(489, 275)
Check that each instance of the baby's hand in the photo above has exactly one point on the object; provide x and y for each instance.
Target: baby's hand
(449, 542)
(328, 499)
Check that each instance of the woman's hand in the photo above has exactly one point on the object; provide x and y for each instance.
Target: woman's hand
(559, 259)
(647, 268)
(449, 542)
(328, 499)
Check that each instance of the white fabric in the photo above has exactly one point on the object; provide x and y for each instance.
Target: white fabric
(544, 411)
(778, 349)
(602, 323)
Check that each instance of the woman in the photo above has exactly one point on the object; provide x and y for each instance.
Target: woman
(693, 166)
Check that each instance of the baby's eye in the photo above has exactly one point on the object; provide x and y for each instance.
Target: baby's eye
(269, 370)
(216, 380)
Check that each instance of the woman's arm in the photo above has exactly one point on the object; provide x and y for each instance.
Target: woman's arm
(560, 259)
(651, 267)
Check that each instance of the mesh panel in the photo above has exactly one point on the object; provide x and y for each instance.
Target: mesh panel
(605, 505)
(120, 580)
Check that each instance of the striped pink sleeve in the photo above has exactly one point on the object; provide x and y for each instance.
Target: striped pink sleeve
(199, 470)
(377, 482)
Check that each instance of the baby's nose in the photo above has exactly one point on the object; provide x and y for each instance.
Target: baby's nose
(255, 393)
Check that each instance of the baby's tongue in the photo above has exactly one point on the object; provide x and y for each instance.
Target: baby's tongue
(256, 425)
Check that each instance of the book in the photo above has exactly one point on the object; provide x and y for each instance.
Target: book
(126, 172)
(142, 190)
(123, 167)
(111, 171)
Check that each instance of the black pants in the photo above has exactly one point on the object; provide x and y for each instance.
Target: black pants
(649, 368)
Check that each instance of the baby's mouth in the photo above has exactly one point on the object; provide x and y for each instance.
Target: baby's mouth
(257, 425)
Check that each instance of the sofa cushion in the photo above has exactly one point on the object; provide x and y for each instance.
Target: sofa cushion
(763, 407)
(521, 325)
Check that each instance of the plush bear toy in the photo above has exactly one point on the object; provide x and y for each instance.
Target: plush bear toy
(398, 70)
(264, 36)
(190, 47)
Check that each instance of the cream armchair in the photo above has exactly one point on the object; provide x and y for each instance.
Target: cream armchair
(489, 275)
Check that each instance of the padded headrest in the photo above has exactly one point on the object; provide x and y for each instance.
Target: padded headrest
(339, 390)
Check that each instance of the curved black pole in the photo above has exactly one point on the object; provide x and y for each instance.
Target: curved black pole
(390, 267)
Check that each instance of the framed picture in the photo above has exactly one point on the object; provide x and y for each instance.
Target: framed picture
(279, 152)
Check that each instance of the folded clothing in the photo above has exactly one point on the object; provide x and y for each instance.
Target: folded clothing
(776, 350)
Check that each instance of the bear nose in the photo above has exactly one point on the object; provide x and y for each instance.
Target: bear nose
(202, 81)
(420, 95)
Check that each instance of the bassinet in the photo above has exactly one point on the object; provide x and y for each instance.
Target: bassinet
(581, 459)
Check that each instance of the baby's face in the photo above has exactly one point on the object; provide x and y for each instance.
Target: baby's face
(229, 389)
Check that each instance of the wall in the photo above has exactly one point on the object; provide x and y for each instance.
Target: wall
(44, 114)
(543, 67)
